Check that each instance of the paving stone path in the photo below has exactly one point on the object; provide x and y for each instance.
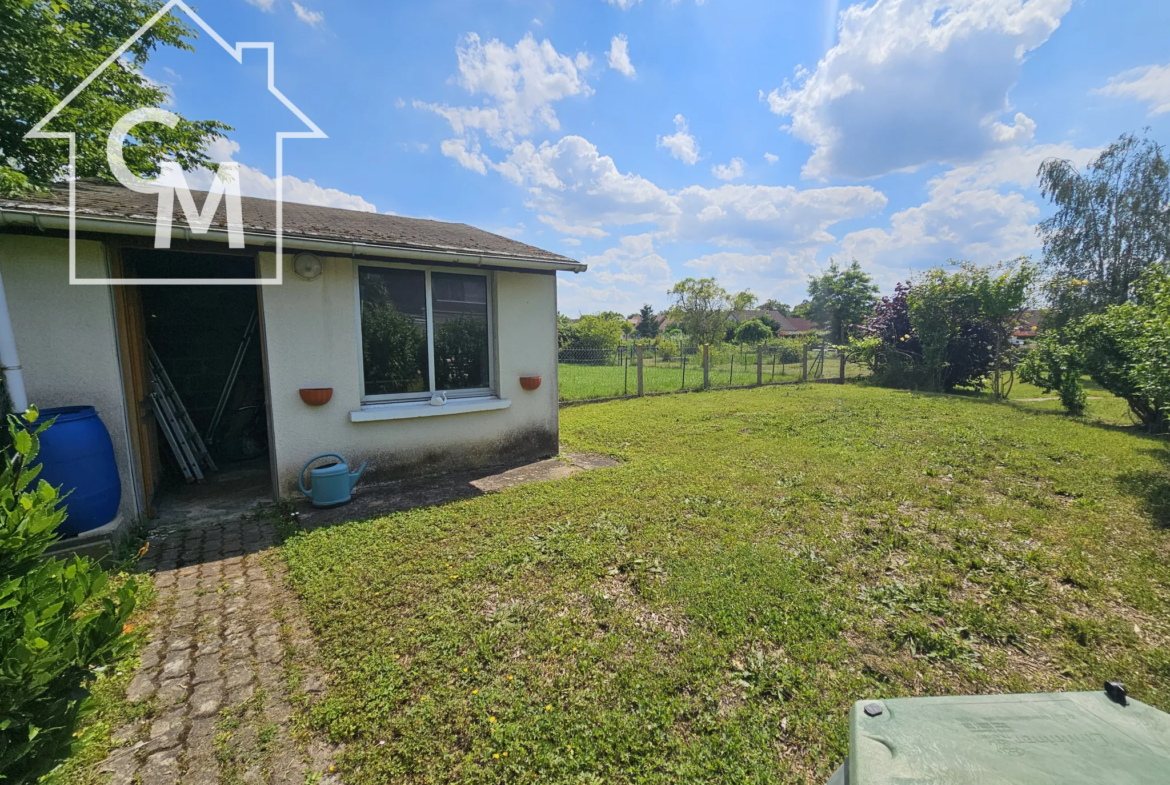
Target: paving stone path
(227, 654)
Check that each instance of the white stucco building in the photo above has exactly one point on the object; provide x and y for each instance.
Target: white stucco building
(392, 314)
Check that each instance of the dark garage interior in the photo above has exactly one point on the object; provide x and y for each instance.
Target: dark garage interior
(200, 333)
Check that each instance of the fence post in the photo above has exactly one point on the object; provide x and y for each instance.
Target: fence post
(683, 351)
(625, 361)
(759, 365)
(731, 376)
(804, 365)
(639, 348)
(841, 354)
(706, 366)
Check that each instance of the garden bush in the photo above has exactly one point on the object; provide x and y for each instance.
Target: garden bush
(1126, 349)
(947, 330)
(1053, 364)
(59, 620)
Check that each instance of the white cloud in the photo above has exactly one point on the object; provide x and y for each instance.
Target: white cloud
(1020, 132)
(254, 182)
(729, 171)
(578, 191)
(968, 215)
(620, 278)
(632, 261)
(625, 5)
(518, 84)
(1150, 84)
(311, 18)
(681, 144)
(911, 82)
(619, 56)
(573, 183)
(770, 158)
(263, 5)
(471, 159)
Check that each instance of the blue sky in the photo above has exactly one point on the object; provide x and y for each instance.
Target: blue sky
(752, 140)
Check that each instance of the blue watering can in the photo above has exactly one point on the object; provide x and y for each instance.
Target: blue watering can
(331, 484)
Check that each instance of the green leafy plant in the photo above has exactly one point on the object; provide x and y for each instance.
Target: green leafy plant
(59, 620)
(752, 332)
(1127, 349)
(1054, 364)
(47, 49)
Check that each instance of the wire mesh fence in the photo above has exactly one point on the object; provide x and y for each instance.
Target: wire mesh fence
(589, 374)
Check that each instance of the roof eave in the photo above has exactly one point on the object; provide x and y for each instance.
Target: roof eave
(58, 219)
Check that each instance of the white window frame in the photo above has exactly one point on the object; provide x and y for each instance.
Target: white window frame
(477, 392)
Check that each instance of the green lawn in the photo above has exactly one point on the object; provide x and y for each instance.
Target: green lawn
(708, 610)
(590, 382)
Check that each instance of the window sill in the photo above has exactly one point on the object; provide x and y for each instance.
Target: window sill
(414, 409)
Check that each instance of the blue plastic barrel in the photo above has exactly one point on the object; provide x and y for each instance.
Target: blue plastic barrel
(77, 455)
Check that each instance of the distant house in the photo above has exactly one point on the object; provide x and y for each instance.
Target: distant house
(1029, 325)
(789, 325)
(662, 319)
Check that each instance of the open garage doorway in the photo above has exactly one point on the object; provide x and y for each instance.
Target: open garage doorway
(194, 367)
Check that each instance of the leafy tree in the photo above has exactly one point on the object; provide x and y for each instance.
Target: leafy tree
(648, 326)
(933, 333)
(752, 332)
(1112, 223)
(566, 331)
(702, 307)
(1053, 364)
(461, 353)
(775, 305)
(46, 49)
(612, 316)
(394, 350)
(838, 298)
(744, 301)
(595, 336)
(1126, 349)
(1003, 293)
(60, 621)
(769, 322)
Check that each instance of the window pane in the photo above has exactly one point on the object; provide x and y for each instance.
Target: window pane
(459, 311)
(394, 330)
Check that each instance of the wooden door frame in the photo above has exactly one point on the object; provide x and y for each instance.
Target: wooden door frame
(131, 329)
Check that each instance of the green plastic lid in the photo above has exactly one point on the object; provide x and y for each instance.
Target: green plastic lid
(1044, 739)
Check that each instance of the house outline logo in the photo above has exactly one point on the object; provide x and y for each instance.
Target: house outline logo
(237, 53)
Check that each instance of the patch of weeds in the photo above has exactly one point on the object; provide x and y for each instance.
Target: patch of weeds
(933, 643)
(237, 743)
(766, 675)
(1083, 632)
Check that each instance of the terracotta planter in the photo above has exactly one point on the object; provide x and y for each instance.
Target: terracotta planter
(316, 396)
(529, 382)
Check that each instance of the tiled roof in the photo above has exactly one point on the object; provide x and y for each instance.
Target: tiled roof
(111, 201)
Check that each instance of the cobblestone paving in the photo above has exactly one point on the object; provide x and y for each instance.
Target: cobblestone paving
(228, 652)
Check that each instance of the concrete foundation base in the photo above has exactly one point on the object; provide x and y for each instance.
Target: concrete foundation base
(97, 544)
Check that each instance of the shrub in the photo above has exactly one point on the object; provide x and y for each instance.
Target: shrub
(1126, 349)
(58, 622)
(594, 339)
(1053, 365)
(752, 332)
(946, 330)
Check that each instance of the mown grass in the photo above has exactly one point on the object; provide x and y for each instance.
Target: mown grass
(709, 610)
(592, 382)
